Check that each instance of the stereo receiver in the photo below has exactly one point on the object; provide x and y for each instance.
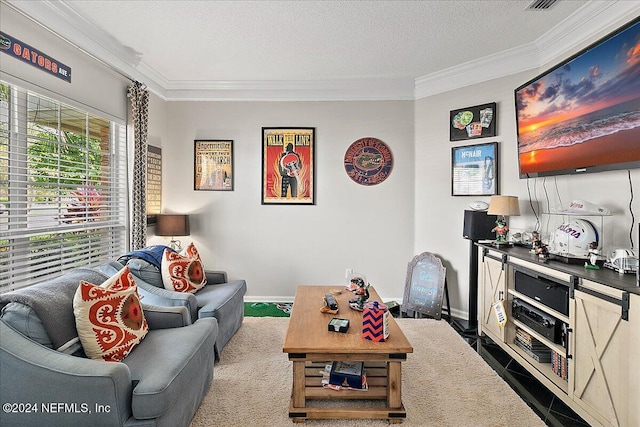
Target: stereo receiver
(544, 324)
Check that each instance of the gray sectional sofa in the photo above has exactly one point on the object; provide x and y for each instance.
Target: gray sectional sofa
(160, 383)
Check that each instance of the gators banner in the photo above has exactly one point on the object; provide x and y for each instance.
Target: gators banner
(24, 52)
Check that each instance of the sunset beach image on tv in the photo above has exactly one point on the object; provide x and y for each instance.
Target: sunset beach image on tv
(584, 114)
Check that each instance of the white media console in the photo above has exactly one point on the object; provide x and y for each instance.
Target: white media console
(576, 330)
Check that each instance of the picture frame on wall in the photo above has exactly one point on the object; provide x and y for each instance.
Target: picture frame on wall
(213, 165)
(288, 166)
(473, 122)
(474, 170)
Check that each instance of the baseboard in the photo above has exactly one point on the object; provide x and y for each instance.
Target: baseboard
(248, 298)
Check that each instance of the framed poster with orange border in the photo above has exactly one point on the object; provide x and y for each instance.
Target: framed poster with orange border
(288, 166)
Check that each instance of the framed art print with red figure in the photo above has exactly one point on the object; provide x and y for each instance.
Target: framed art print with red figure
(288, 166)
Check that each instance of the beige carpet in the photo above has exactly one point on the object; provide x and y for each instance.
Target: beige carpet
(445, 383)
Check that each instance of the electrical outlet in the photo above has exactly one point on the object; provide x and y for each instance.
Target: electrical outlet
(348, 272)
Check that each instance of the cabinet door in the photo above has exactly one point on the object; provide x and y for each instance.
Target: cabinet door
(493, 287)
(634, 355)
(600, 378)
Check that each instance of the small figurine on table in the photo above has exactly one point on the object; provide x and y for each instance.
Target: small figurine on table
(593, 257)
(538, 247)
(361, 292)
(543, 252)
(535, 241)
(501, 230)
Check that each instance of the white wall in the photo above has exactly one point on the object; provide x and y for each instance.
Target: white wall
(276, 248)
(440, 216)
(608, 189)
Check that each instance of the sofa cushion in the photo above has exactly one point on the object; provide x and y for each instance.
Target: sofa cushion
(183, 272)
(170, 364)
(225, 303)
(23, 319)
(109, 317)
(146, 271)
(151, 254)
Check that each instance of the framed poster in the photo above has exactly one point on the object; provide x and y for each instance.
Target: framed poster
(474, 170)
(154, 183)
(213, 168)
(472, 122)
(288, 166)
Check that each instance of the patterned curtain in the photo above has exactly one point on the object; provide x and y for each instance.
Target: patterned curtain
(139, 96)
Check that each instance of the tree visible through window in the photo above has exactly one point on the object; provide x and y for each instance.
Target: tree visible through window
(62, 188)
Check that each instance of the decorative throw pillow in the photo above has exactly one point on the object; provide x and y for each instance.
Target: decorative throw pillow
(146, 271)
(183, 272)
(109, 317)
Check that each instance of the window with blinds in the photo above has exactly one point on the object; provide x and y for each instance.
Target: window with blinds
(62, 188)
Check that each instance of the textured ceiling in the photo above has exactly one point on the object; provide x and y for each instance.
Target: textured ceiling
(316, 40)
(323, 50)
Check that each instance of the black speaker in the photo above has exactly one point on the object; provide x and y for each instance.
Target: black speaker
(478, 225)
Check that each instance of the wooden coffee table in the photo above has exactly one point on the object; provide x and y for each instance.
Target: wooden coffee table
(310, 346)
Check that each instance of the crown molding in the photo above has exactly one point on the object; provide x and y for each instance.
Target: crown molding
(588, 21)
(318, 90)
(596, 18)
(491, 67)
(63, 21)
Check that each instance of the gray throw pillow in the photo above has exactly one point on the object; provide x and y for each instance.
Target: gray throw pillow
(146, 271)
(23, 319)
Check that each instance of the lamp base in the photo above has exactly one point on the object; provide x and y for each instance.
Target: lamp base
(176, 245)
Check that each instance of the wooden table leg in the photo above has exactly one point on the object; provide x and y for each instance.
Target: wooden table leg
(298, 392)
(394, 386)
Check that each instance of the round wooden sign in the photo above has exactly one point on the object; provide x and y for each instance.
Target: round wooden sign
(368, 161)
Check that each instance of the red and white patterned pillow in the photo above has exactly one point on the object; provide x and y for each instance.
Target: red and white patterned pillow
(183, 272)
(109, 317)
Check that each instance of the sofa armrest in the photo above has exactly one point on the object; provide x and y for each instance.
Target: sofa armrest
(215, 277)
(163, 317)
(152, 295)
(72, 389)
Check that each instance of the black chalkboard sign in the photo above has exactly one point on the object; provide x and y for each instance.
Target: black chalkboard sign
(424, 287)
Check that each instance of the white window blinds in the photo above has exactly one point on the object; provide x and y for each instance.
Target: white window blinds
(62, 188)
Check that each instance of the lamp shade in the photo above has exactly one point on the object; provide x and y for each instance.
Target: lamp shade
(504, 205)
(172, 225)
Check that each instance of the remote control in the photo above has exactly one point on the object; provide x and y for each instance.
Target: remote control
(331, 302)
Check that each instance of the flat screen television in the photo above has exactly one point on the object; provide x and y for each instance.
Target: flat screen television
(583, 115)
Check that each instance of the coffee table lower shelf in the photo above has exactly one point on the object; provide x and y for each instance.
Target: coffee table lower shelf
(394, 416)
(308, 386)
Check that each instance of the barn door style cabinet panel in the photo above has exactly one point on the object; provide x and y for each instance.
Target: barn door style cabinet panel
(576, 330)
(494, 282)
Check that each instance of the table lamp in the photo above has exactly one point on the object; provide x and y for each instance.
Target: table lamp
(173, 225)
(503, 206)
